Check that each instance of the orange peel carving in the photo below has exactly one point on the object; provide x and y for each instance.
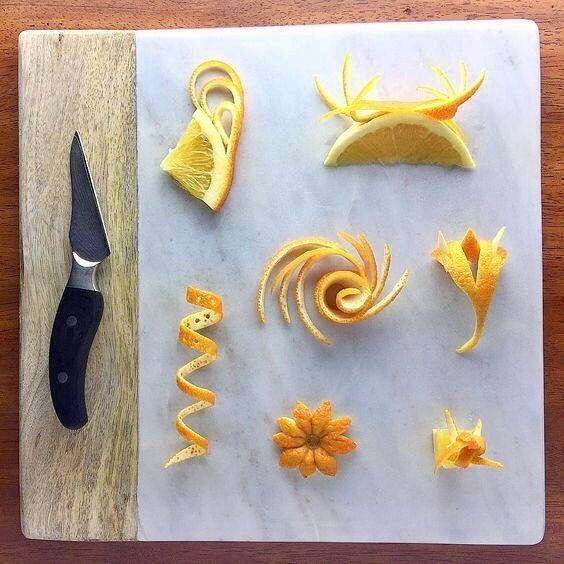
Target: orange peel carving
(311, 441)
(442, 106)
(456, 256)
(460, 448)
(188, 335)
(203, 161)
(356, 290)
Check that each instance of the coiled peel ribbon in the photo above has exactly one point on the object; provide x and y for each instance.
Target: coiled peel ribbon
(340, 296)
(210, 314)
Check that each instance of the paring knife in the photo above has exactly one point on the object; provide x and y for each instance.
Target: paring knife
(81, 306)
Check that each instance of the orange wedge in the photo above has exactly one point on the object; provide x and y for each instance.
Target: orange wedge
(391, 131)
(203, 161)
(401, 137)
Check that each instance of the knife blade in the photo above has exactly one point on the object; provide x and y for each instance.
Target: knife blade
(80, 309)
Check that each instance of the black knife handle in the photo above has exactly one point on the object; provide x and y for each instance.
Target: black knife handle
(74, 328)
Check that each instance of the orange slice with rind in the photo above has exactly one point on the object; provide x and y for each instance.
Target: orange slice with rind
(460, 448)
(407, 137)
(456, 256)
(203, 161)
(416, 132)
(340, 296)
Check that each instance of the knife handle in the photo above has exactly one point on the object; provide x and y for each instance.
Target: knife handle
(74, 328)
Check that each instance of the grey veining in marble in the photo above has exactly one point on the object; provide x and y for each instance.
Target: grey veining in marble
(393, 374)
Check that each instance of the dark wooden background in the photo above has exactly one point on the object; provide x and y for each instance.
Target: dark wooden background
(17, 15)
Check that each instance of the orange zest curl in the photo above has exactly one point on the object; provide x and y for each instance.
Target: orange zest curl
(340, 296)
(211, 314)
(460, 448)
(442, 105)
(456, 256)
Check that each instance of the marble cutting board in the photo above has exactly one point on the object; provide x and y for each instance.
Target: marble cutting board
(393, 374)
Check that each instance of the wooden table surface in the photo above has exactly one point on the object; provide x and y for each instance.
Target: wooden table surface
(17, 15)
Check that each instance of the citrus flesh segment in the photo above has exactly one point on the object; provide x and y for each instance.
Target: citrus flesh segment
(408, 137)
(199, 162)
(203, 161)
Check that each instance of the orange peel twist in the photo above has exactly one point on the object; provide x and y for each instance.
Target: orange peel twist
(235, 109)
(340, 296)
(442, 105)
(460, 448)
(188, 335)
(456, 256)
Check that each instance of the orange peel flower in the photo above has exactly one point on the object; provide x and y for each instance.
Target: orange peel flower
(460, 448)
(456, 256)
(357, 290)
(311, 441)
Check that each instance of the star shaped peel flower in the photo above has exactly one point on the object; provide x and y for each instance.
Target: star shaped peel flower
(311, 441)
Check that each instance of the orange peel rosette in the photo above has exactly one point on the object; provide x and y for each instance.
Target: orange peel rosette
(310, 442)
(456, 256)
(341, 296)
(210, 314)
(460, 448)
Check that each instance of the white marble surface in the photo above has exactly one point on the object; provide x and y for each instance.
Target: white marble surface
(393, 374)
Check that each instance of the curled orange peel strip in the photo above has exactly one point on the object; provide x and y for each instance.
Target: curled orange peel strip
(188, 335)
(456, 256)
(340, 296)
(442, 106)
(203, 161)
(460, 448)
(231, 85)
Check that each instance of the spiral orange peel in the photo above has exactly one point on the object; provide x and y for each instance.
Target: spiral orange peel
(203, 161)
(456, 256)
(357, 289)
(460, 448)
(189, 336)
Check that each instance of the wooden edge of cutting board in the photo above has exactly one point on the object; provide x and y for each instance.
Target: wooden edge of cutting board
(78, 485)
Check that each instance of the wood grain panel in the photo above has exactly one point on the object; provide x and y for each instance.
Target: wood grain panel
(78, 484)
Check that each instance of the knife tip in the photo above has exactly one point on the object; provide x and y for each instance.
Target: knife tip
(76, 138)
